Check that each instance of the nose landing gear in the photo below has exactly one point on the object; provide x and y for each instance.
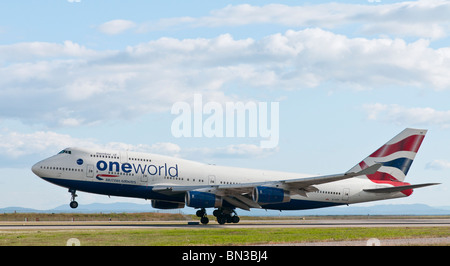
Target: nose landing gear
(73, 204)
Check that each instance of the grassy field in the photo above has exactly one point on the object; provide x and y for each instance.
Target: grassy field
(184, 237)
(145, 216)
(192, 236)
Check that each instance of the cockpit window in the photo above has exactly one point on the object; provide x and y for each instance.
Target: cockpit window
(65, 151)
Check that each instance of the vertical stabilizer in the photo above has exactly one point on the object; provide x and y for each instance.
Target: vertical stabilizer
(396, 156)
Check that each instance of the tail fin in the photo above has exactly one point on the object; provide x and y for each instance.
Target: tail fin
(396, 156)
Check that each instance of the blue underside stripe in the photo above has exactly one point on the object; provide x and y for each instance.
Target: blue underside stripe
(134, 191)
(121, 190)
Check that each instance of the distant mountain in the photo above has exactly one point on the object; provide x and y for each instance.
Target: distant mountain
(18, 209)
(387, 209)
(106, 208)
(444, 207)
(117, 207)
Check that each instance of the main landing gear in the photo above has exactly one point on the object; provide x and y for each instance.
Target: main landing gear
(223, 215)
(73, 204)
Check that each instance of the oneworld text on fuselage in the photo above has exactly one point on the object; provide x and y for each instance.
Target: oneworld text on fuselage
(151, 169)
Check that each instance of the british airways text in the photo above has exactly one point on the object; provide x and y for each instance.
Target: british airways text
(160, 170)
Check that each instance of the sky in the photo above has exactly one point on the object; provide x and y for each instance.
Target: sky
(347, 76)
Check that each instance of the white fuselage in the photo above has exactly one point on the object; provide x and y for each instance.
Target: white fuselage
(133, 174)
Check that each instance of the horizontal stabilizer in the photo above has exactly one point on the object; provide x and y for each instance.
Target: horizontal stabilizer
(398, 189)
(370, 170)
(309, 181)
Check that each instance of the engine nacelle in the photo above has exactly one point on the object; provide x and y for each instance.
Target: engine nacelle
(166, 205)
(197, 199)
(270, 195)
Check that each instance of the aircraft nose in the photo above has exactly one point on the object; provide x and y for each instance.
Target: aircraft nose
(36, 169)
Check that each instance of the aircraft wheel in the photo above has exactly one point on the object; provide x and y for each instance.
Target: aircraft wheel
(235, 219)
(221, 219)
(217, 213)
(73, 204)
(200, 213)
(204, 220)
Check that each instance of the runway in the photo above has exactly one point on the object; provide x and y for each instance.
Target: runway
(344, 223)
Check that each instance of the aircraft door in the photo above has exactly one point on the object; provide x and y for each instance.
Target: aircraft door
(144, 179)
(90, 171)
(345, 194)
(211, 180)
(124, 157)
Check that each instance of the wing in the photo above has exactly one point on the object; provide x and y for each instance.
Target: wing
(239, 195)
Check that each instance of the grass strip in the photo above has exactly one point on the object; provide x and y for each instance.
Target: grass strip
(210, 236)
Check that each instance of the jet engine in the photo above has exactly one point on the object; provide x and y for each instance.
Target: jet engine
(268, 195)
(197, 199)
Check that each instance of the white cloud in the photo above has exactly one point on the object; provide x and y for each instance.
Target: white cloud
(396, 114)
(234, 151)
(117, 26)
(85, 86)
(438, 165)
(15, 146)
(163, 148)
(426, 18)
(71, 122)
(32, 51)
(44, 143)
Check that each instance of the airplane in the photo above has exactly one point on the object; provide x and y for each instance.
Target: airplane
(172, 183)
